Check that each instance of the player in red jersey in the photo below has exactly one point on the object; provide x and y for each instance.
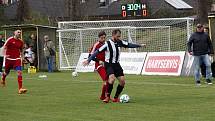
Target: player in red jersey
(12, 53)
(99, 61)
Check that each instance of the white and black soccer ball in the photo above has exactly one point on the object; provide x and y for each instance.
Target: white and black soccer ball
(74, 74)
(124, 98)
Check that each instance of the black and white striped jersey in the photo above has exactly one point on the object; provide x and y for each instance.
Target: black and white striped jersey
(112, 50)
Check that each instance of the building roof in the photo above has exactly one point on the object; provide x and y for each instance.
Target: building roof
(178, 4)
(27, 26)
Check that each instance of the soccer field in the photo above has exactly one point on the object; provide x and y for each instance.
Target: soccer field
(61, 97)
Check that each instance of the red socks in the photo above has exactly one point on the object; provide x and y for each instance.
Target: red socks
(104, 90)
(20, 81)
(3, 77)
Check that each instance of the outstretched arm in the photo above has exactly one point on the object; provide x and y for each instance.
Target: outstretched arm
(4, 48)
(130, 45)
(94, 59)
(92, 56)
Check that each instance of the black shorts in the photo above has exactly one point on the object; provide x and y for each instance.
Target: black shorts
(114, 68)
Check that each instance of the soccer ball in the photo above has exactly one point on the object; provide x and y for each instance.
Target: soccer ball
(124, 98)
(74, 73)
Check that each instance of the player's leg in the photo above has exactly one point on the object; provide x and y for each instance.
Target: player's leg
(19, 79)
(102, 72)
(18, 67)
(8, 66)
(111, 79)
(120, 88)
(19, 76)
(120, 76)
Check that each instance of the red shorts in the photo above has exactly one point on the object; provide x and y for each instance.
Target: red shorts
(12, 64)
(102, 72)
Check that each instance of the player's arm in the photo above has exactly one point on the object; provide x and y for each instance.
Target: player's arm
(92, 50)
(94, 59)
(97, 60)
(92, 56)
(4, 48)
(126, 44)
(102, 48)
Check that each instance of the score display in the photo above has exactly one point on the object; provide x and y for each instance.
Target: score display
(134, 9)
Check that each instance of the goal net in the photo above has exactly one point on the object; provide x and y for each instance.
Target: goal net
(160, 35)
(73, 42)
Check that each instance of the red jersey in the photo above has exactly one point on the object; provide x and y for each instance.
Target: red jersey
(13, 48)
(101, 55)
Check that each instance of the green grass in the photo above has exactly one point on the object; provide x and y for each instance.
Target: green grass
(61, 97)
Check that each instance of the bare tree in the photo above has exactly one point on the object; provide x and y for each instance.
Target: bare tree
(72, 7)
(203, 7)
(23, 11)
(68, 8)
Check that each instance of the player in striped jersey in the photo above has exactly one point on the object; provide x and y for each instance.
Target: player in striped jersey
(112, 65)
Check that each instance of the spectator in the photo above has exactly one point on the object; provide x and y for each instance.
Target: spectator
(33, 45)
(49, 52)
(202, 66)
(29, 55)
(206, 30)
(200, 47)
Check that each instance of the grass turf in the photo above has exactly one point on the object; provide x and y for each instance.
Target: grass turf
(61, 97)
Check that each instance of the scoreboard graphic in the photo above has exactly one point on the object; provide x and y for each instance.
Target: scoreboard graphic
(134, 9)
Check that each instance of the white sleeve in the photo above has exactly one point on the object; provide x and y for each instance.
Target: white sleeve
(103, 47)
(1, 52)
(125, 43)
